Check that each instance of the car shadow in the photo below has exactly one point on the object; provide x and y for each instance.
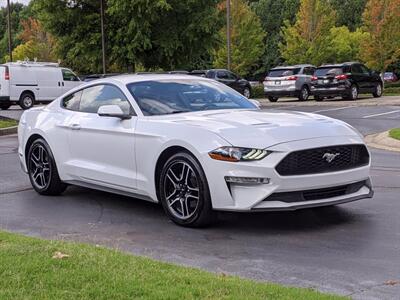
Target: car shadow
(130, 210)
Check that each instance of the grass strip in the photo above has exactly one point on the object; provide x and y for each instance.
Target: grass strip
(29, 271)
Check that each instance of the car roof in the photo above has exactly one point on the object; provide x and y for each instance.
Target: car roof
(349, 63)
(292, 67)
(131, 78)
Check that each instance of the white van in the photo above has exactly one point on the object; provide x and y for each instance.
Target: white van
(27, 83)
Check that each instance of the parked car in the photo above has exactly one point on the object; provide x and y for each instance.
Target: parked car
(390, 77)
(289, 81)
(226, 77)
(192, 144)
(92, 77)
(27, 83)
(346, 80)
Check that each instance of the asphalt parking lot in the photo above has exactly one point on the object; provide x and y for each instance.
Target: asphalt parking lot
(351, 249)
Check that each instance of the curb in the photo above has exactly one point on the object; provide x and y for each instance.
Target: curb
(383, 141)
(8, 130)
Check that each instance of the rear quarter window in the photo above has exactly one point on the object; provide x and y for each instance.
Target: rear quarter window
(328, 71)
(283, 72)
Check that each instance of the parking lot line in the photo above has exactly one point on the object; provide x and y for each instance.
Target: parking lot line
(381, 114)
(332, 109)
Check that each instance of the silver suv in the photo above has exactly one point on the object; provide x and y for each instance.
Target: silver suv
(289, 81)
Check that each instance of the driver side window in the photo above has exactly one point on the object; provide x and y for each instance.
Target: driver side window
(94, 97)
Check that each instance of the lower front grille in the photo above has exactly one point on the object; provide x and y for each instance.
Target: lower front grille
(317, 194)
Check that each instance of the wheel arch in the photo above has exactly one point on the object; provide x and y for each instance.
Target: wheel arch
(27, 92)
(162, 159)
(29, 143)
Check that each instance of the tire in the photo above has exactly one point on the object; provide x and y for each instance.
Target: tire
(184, 192)
(27, 100)
(353, 92)
(42, 170)
(318, 98)
(378, 91)
(304, 94)
(247, 92)
(5, 106)
(272, 99)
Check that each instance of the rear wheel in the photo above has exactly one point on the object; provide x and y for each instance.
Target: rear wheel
(304, 94)
(184, 193)
(353, 92)
(378, 91)
(27, 100)
(42, 169)
(272, 99)
(247, 92)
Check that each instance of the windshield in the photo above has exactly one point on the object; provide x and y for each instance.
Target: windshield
(283, 72)
(163, 97)
(328, 71)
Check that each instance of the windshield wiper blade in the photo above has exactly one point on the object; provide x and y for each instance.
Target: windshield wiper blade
(179, 111)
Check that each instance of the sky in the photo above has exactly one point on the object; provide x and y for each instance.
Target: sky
(3, 3)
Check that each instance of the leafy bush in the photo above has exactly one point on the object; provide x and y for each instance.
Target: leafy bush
(392, 90)
(392, 84)
(257, 91)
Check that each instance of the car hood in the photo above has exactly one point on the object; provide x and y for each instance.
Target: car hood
(263, 129)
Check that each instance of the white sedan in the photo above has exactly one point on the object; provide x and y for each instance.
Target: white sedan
(193, 144)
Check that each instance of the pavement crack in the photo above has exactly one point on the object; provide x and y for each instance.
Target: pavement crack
(16, 191)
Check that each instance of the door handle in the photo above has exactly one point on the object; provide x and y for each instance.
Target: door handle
(75, 126)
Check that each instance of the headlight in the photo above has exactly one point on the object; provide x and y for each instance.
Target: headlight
(235, 154)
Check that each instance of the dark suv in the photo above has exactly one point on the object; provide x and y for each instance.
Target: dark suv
(346, 80)
(230, 79)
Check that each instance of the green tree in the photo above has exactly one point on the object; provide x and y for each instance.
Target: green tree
(349, 12)
(382, 22)
(76, 27)
(37, 43)
(247, 38)
(163, 34)
(345, 45)
(153, 34)
(272, 14)
(19, 12)
(307, 41)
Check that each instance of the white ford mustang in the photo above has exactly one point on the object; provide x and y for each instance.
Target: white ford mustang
(193, 144)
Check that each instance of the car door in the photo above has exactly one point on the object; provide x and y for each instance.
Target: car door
(369, 82)
(102, 148)
(225, 78)
(49, 83)
(359, 77)
(69, 80)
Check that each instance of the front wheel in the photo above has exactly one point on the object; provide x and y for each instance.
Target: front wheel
(184, 193)
(378, 91)
(42, 169)
(304, 94)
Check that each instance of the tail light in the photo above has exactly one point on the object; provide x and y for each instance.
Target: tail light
(7, 74)
(314, 78)
(292, 78)
(341, 77)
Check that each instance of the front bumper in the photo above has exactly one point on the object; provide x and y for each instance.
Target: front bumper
(256, 197)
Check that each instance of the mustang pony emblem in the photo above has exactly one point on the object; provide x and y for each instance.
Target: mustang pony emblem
(329, 157)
